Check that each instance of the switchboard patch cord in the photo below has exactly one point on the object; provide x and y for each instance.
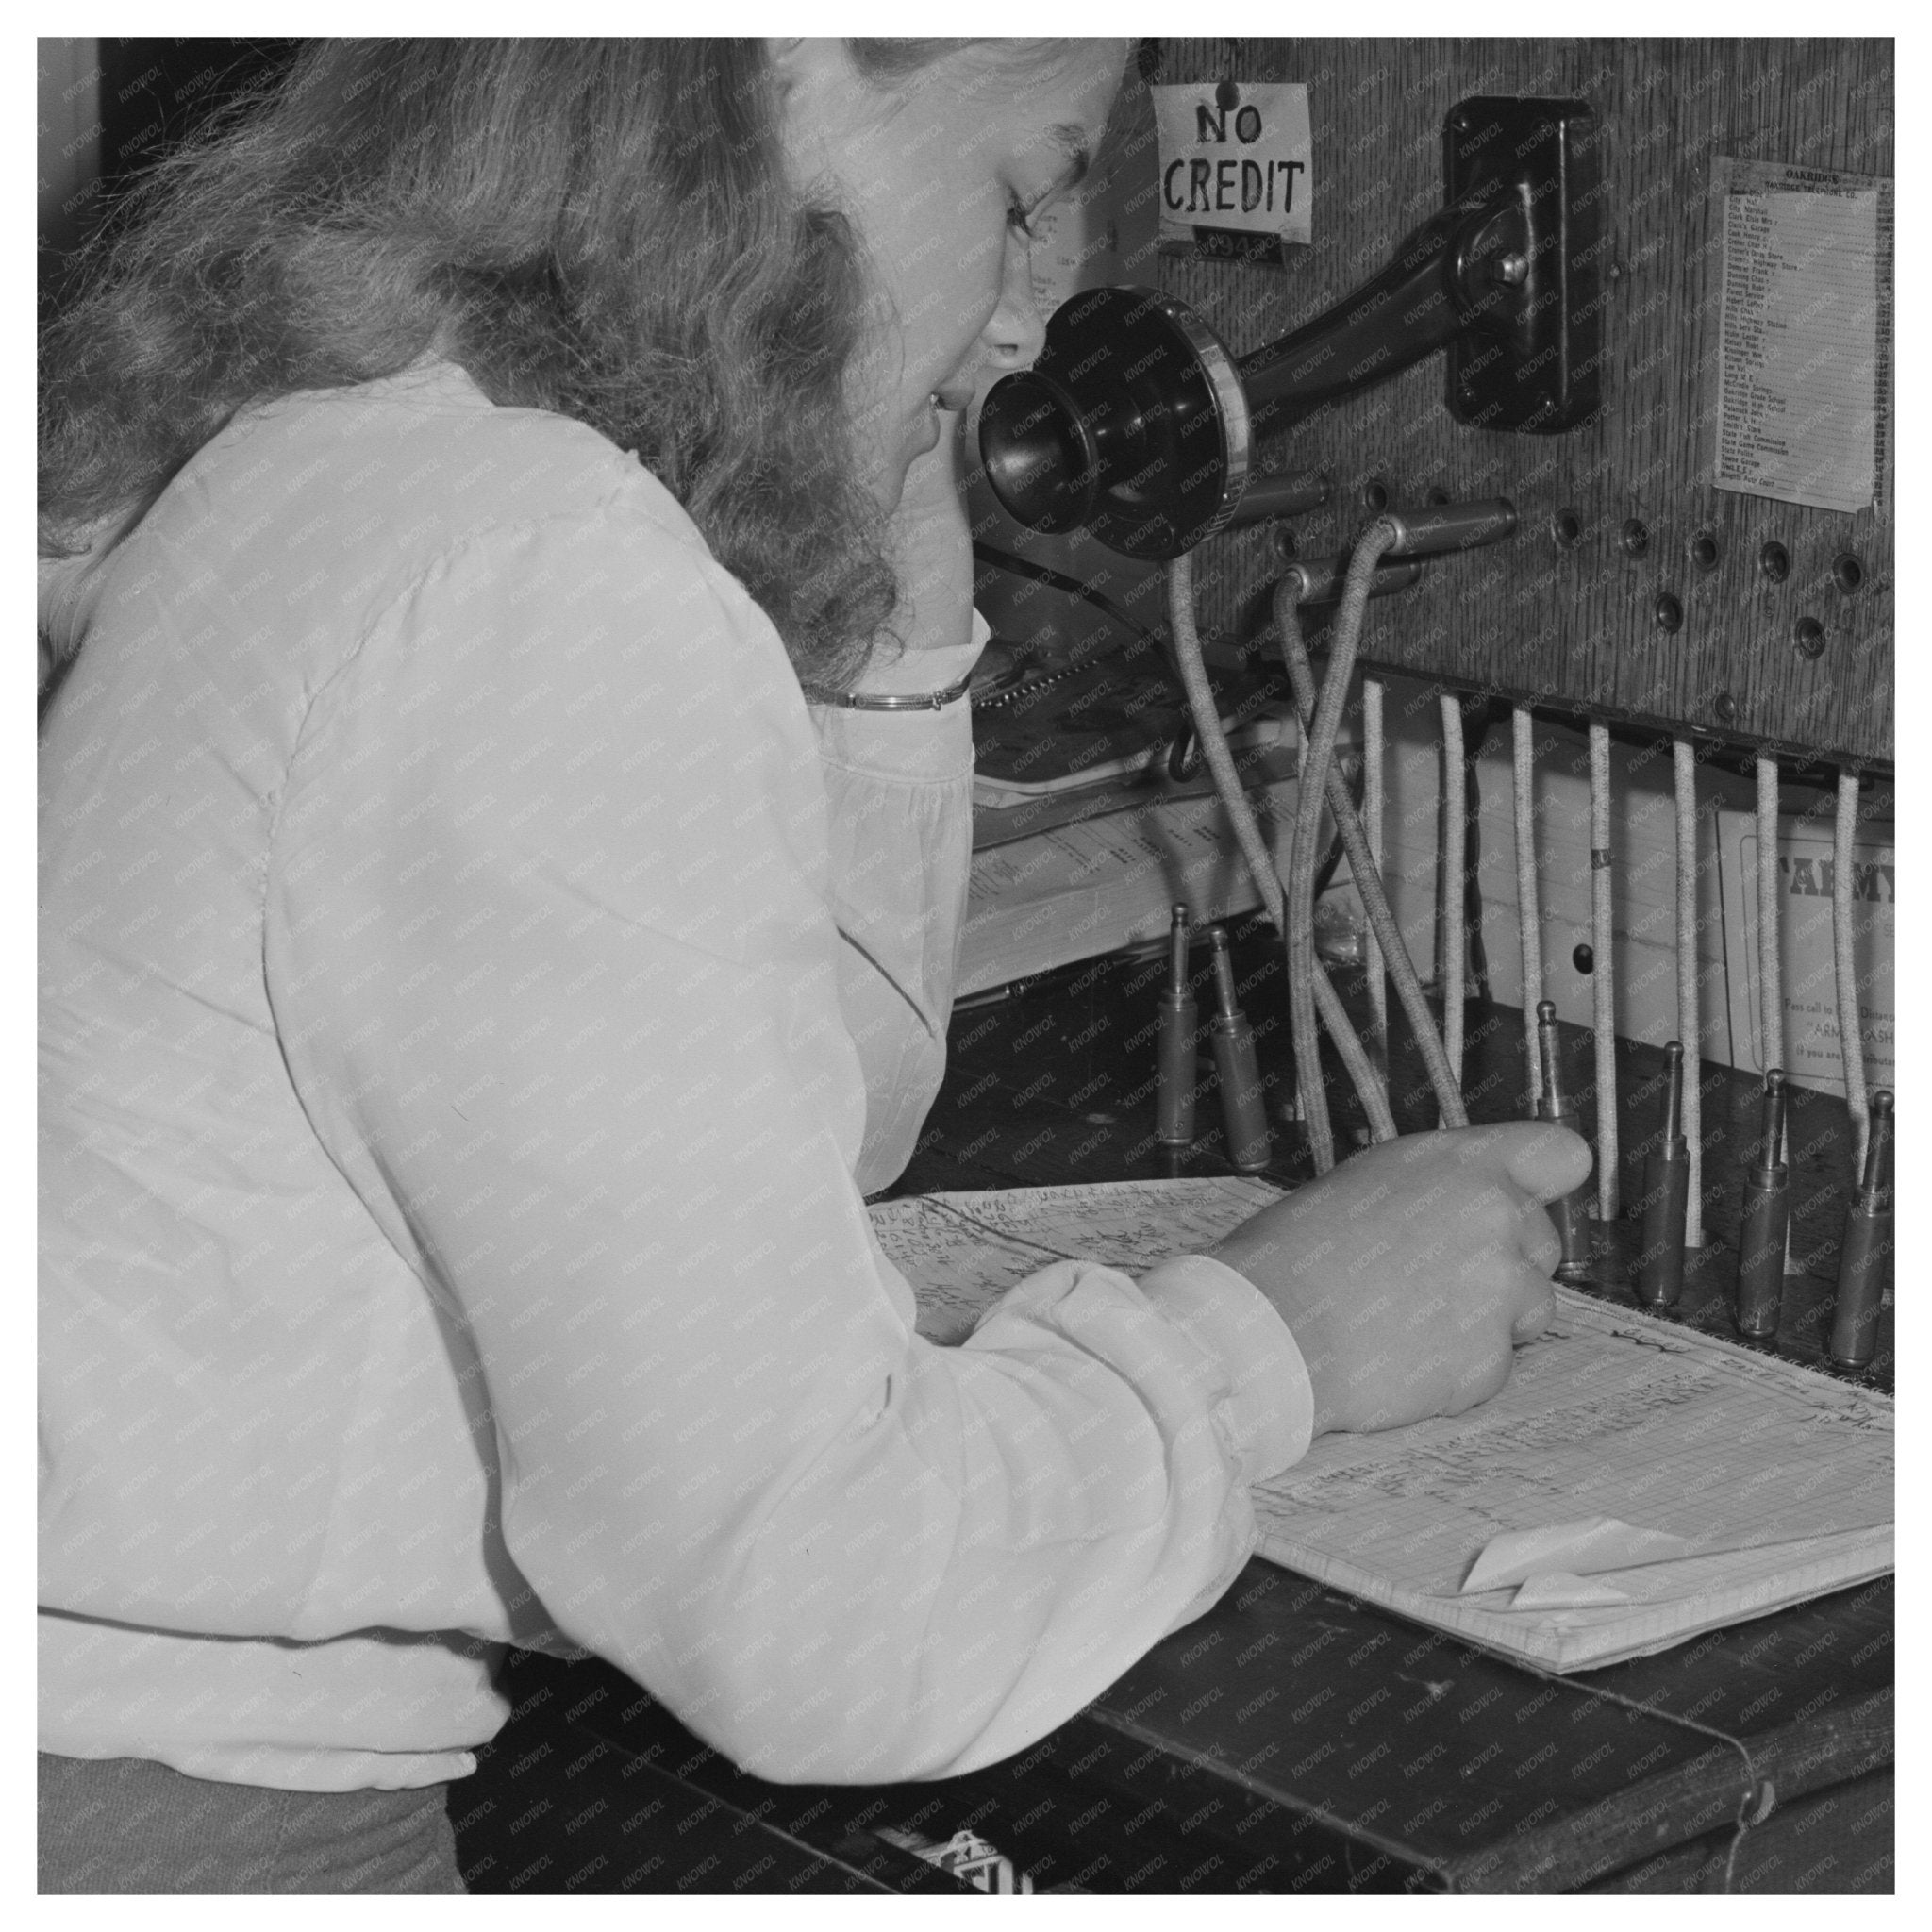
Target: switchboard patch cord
(1290, 903)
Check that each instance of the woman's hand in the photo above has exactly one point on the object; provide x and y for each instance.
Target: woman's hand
(1408, 1274)
(933, 545)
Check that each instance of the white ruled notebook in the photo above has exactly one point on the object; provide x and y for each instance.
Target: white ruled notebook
(1634, 1484)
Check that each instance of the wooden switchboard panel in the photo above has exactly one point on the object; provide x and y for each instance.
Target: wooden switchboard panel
(1578, 625)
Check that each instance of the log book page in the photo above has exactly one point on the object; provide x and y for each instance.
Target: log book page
(1635, 1482)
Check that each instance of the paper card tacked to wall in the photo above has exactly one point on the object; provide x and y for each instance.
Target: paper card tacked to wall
(1804, 337)
(1812, 1052)
(1236, 159)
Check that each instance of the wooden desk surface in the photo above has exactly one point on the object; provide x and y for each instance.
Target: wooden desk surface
(1295, 1739)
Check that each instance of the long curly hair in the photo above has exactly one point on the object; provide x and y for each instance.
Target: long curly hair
(601, 229)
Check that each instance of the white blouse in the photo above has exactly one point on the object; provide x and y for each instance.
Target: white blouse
(477, 991)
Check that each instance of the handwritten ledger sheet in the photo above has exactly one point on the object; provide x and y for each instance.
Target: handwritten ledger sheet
(1635, 1483)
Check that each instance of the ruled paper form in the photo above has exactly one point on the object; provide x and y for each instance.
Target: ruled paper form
(1759, 1482)
(1803, 333)
(1635, 1483)
(963, 1252)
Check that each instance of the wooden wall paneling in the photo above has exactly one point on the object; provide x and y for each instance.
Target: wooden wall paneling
(1577, 626)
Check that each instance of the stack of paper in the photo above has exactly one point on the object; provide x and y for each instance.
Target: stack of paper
(1093, 887)
(1634, 1483)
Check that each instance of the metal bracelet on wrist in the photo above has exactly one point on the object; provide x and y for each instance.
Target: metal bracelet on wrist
(891, 701)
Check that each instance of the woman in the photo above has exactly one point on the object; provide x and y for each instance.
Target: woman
(493, 936)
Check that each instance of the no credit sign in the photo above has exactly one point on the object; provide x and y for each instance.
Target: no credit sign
(1241, 162)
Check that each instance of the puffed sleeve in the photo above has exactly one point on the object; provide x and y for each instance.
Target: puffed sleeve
(899, 805)
(552, 965)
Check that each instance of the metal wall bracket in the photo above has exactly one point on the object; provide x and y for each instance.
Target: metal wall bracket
(1533, 362)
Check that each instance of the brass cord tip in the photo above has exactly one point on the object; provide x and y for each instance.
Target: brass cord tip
(1223, 973)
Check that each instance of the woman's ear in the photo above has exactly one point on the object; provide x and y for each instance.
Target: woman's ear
(818, 92)
(801, 59)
